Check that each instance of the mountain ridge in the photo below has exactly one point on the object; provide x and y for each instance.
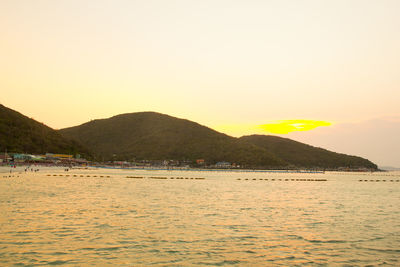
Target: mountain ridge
(155, 136)
(152, 135)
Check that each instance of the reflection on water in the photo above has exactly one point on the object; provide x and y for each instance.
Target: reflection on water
(217, 221)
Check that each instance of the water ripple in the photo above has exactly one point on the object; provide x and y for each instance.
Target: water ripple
(53, 220)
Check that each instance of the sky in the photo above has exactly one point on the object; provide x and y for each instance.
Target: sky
(229, 65)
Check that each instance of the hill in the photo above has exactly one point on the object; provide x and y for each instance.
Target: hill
(155, 136)
(302, 155)
(21, 134)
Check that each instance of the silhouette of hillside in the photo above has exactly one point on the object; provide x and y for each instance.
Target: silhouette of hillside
(150, 135)
(21, 134)
(303, 155)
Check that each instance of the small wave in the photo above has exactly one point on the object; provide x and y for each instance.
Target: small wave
(248, 237)
(58, 262)
(172, 251)
(388, 250)
(58, 253)
(20, 243)
(109, 248)
(29, 253)
(298, 237)
(104, 225)
(221, 263)
(288, 258)
(88, 248)
(20, 264)
(127, 242)
(227, 262)
(24, 232)
(332, 241)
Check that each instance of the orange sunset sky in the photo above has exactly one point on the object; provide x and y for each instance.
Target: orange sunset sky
(329, 68)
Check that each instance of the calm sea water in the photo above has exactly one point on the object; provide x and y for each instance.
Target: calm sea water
(220, 220)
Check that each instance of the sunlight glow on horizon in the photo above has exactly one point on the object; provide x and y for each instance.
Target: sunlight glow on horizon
(273, 127)
(287, 126)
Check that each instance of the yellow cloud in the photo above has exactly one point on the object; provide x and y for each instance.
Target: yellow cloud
(287, 126)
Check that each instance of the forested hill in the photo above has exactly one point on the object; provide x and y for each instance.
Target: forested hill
(150, 135)
(302, 155)
(155, 136)
(21, 134)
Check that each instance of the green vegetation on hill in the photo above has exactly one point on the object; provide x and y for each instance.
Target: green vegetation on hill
(154, 136)
(150, 135)
(302, 155)
(21, 134)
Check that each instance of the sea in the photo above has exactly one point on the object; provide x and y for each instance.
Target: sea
(121, 217)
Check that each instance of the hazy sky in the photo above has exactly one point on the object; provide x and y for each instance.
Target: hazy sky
(225, 64)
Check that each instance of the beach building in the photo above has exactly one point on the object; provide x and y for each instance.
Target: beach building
(200, 162)
(223, 165)
(5, 158)
(21, 158)
(58, 156)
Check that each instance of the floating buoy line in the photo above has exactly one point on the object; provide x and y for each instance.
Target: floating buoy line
(379, 180)
(285, 180)
(132, 177)
(390, 179)
(165, 178)
(80, 175)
